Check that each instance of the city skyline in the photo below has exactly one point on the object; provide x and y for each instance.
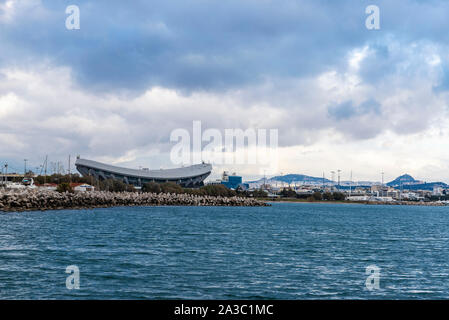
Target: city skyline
(62, 167)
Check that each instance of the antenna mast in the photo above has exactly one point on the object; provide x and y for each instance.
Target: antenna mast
(70, 173)
(338, 178)
(323, 180)
(350, 184)
(25, 167)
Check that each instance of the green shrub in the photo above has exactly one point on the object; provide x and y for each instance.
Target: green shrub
(114, 185)
(288, 193)
(64, 187)
(151, 187)
(339, 196)
(317, 196)
(328, 196)
(171, 187)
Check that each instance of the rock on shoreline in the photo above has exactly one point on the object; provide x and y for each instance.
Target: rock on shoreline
(35, 200)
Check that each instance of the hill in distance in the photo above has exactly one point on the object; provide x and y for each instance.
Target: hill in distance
(405, 179)
(292, 178)
(408, 182)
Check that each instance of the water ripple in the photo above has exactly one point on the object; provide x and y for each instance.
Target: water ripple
(288, 251)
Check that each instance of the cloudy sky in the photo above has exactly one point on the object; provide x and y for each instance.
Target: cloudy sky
(341, 96)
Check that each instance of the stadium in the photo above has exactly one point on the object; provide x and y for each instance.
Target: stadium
(189, 177)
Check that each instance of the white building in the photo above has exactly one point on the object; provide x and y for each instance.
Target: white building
(84, 188)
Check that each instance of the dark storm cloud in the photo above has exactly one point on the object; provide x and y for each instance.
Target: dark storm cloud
(187, 45)
(211, 45)
(302, 66)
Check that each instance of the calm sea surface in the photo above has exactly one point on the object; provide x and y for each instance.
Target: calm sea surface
(287, 251)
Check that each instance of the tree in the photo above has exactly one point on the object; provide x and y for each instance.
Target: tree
(171, 187)
(259, 193)
(209, 190)
(288, 193)
(328, 196)
(114, 185)
(217, 190)
(339, 196)
(152, 187)
(64, 187)
(59, 178)
(317, 196)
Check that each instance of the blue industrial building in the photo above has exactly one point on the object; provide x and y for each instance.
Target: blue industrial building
(233, 182)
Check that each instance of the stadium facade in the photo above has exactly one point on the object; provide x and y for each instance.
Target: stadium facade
(191, 176)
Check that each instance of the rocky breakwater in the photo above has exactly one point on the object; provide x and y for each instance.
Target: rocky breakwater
(30, 200)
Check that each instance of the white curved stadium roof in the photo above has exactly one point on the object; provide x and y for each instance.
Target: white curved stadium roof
(178, 173)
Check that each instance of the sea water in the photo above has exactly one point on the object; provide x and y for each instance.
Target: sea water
(287, 251)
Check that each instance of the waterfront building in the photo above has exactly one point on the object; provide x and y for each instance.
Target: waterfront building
(82, 187)
(191, 176)
(233, 181)
(358, 198)
(48, 186)
(10, 177)
(437, 191)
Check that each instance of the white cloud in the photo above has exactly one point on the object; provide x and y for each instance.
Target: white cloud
(44, 112)
(9, 9)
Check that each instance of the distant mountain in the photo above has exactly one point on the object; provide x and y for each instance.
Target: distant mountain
(405, 179)
(410, 183)
(292, 178)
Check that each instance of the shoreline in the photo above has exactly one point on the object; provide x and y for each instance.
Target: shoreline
(402, 203)
(105, 207)
(43, 200)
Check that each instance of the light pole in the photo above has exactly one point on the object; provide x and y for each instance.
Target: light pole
(6, 173)
(25, 167)
(350, 184)
(323, 180)
(339, 171)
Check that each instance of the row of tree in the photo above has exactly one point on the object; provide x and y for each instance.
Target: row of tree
(170, 187)
(63, 178)
(113, 185)
(106, 185)
(316, 196)
(328, 196)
